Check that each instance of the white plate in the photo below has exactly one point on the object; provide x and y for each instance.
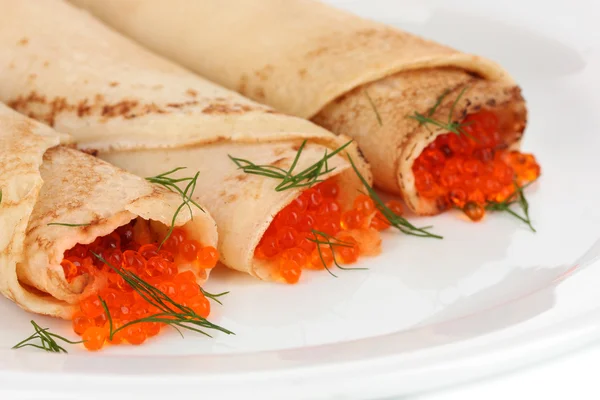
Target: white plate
(488, 298)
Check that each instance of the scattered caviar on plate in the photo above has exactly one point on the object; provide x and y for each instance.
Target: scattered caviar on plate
(289, 242)
(470, 170)
(131, 248)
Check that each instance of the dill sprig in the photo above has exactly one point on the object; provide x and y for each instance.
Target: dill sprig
(170, 312)
(372, 103)
(438, 102)
(65, 224)
(171, 183)
(322, 238)
(289, 180)
(0, 196)
(449, 125)
(518, 197)
(47, 340)
(213, 296)
(397, 221)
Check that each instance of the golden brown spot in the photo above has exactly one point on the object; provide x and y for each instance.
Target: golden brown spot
(296, 146)
(157, 193)
(241, 178)
(23, 42)
(191, 92)
(113, 84)
(152, 108)
(83, 108)
(259, 93)
(279, 162)
(227, 109)
(21, 103)
(230, 198)
(264, 73)
(46, 64)
(302, 73)
(317, 52)
(119, 109)
(243, 85)
(38, 107)
(57, 105)
(31, 77)
(278, 151)
(181, 105)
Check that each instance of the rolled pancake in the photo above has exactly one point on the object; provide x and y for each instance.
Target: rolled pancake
(393, 145)
(44, 182)
(316, 62)
(146, 114)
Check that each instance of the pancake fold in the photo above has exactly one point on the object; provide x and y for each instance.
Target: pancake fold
(148, 115)
(308, 59)
(54, 197)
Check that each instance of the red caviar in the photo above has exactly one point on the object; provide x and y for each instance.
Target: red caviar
(474, 168)
(130, 247)
(288, 241)
(94, 337)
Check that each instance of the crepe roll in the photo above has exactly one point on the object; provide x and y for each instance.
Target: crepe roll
(440, 127)
(65, 215)
(281, 189)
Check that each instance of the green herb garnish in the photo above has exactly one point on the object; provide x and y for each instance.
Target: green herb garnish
(47, 340)
(450, 125)
(372, 103)
(289, 180)
(171, 313)
(171, 183)
(396, 221)
(213, 296)
(518, 197)
(322, 238)
(65, 224)
(438, 102)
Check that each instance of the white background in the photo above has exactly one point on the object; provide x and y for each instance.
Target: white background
(570, 376)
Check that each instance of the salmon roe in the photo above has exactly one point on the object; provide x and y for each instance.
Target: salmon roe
(470, 170)
(288, 240)
(131, 248)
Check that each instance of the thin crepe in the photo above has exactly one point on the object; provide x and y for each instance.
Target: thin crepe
(44, 182)
(148, 115)
(316, 62)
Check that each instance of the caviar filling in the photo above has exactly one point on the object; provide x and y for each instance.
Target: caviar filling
(474, 168)
(316, 215)
(132, 248)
